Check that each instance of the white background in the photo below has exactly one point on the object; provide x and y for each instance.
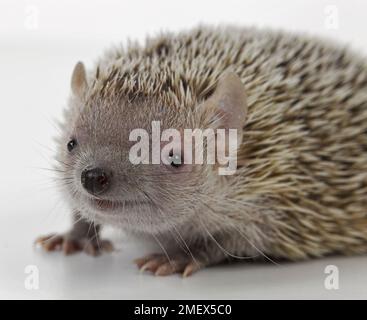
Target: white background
(40, 41)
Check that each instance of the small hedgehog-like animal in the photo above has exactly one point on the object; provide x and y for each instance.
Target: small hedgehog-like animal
(299, 105)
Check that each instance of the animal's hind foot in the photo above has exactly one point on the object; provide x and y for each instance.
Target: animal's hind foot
(161, 265)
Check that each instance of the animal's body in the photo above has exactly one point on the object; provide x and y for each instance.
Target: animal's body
(300, 189)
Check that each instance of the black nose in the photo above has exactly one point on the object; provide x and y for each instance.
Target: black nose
(96, 180)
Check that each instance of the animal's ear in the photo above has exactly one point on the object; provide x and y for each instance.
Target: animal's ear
(79, 80)
(228, 103)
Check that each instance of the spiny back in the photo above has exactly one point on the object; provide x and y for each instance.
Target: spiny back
(305, 140)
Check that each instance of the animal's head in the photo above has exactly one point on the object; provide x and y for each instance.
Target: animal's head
(98, 147)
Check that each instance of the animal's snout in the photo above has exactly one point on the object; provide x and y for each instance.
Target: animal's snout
(95, 180)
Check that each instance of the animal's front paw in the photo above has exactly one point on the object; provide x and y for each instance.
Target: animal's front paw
(161, 265)
(69, 244)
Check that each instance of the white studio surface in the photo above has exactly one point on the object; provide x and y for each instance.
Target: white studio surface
(40, 43)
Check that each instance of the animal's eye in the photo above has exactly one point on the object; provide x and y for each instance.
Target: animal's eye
(176, 160)
(71, 144)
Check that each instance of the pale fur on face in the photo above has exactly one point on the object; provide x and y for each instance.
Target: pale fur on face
(154, 198)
